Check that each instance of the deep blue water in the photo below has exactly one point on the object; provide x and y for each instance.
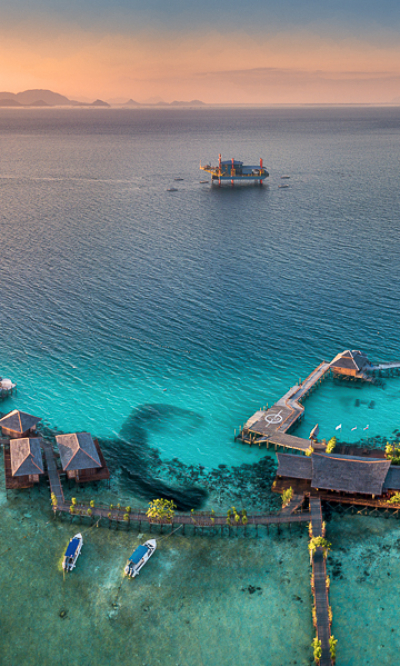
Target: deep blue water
(118, 296)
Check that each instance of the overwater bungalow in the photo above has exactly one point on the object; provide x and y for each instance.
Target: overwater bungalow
(352, 363)
(338, 475)
(17, 425)
(81, 457)
(23, 463)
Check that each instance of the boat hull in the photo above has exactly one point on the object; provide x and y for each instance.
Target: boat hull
(72, 553)
(139, 558)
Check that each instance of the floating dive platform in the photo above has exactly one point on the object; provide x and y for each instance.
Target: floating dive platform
(6, 387)
(235, 170)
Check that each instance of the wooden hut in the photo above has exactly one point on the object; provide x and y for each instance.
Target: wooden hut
(351, 475)
(17, 425)
(350, 363)
(23, 462)
(81, 457)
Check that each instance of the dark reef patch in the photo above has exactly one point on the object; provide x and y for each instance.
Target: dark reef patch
(139, 463)
(145, 474)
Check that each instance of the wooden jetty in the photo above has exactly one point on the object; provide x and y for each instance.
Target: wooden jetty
(197, 520)
(385, 369)
(319, 584)
(271, 426)
(52, 471)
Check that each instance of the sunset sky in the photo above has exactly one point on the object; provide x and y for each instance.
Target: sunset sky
(291, 51)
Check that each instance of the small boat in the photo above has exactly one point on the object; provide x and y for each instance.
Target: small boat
(283, 187)
(139, 558)
(178, 178)
(172, 189)
(285, 177)
(203, 181)
(72, 553)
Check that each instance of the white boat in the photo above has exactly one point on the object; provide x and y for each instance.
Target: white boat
(139, 558)
(72, 553)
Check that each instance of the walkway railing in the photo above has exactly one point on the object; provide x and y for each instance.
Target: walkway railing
(319, 587)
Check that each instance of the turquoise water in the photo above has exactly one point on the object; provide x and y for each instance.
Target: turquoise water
(161, 321)
(364, 412)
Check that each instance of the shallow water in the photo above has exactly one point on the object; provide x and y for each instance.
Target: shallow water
(364, 568)
(197, 601)
(160, 322)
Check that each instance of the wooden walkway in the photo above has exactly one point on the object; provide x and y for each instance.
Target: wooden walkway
(319, 588)
(294, 504)
(195, 520)
(271, 426)
(52, 471)
(384, 367)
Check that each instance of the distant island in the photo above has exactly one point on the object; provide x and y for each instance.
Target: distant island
(43, 98)
(47, 98)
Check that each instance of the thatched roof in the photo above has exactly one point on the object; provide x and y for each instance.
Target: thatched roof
(392, 481)
(19, 421)
(350, 360)
(77, 451)
(26, 456)
(294, 467)
(349, 474)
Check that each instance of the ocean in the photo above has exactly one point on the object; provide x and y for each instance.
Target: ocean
(160, 322)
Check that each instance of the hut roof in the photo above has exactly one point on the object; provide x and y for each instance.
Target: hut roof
(77, 451)
(26, 456)
(295, 467)
(19, 421)
(349, 474)
(350, 360)
(392, 481)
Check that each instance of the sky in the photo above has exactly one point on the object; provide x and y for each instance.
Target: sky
(258, 52)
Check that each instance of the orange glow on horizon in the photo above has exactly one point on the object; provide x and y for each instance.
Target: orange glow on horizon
(286, 68)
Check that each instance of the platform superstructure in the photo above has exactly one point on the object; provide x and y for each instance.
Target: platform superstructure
(235, 170)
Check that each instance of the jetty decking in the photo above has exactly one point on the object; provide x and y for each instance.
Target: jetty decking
(271, 426)
(52, 471)
(319, 587)
(197, 520)
(385, 369)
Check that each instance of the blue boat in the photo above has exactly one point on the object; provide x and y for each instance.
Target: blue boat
(234, 170)
(72, 553)
(139, 558)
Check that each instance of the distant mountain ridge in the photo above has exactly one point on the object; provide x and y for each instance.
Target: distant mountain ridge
(132, 102)
(43, 98)
(48, 98)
